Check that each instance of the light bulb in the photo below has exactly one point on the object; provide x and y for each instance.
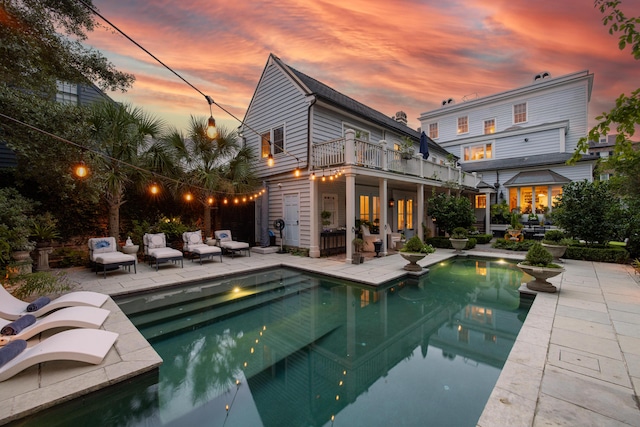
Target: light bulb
(212, 131)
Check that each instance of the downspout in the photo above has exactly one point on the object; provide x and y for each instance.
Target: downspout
(309, 131)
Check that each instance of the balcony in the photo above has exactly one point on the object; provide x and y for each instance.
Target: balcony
(354, 152)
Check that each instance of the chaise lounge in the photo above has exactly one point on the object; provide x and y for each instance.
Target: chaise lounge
(226, 242)
(193, 245)
(81, 345)
(156, 250)
(69, 317)
(11, 307)
(103, 252)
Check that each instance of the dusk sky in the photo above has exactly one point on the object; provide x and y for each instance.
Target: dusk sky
(390, 55)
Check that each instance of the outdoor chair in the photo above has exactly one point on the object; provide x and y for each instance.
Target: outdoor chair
(104, 252)
(156, 250)
(80, 345)
(193, 245)
(28, 326)
(226, 242)
(392, 237)
(368, 238)
(12, 308)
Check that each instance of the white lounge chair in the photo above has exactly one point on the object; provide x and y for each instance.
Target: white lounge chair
(156, 250)
(70, 317)
(103, 252)
(226, 242)
(193, 245)
(392, 237)
(368, 238)
(11, 307)
(81, 345)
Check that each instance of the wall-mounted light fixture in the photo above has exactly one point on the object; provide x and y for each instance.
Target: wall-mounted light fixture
(501, 195)
(526, 140)
(392, 202)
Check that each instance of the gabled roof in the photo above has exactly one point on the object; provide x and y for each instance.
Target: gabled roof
(523, 162)
(545, 176)
(331, 96)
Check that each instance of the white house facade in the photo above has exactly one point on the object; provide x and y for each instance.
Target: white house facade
(519, 140)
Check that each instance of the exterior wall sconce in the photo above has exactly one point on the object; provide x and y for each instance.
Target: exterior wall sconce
(392, 202)
(501, 195)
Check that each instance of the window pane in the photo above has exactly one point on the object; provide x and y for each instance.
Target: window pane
(467, 154)
(489, 126)
(489, 151)
(520, 113)
(463, 124)
(481, 201)
(266, 149)
(556, 191)
(376, 210)
(433, 130)
(409, 213)
(278, 140)
(542, 199)
(364, 208)
(513, 198)
(526, 197)
(401, 223)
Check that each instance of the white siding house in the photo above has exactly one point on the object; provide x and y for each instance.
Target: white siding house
(520, 139)
(351, 162)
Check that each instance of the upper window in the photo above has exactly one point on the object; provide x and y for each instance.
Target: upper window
(67, 93)
(276, 137)
(463, 124)
(478, 152)
(433, 130)
(361, 134)
(520, 113)
(489, 126)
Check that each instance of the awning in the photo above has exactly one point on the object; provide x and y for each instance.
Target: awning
(540, 177)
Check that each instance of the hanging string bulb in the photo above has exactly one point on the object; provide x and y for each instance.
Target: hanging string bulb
(225, 201)
(313, 176)
(270, 160)
(154, 189)
(210, 200)
(81, 169)
(212, 131)
(296, 172)
(188, 197)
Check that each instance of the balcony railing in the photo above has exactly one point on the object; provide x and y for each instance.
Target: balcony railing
(351, 151)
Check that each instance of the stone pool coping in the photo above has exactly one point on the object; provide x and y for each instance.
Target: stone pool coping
(566, 347)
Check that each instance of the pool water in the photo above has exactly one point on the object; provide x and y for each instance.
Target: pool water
(285, 348)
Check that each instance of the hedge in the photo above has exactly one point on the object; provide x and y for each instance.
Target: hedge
(444, 243)
(483, 238)
(584, 253)
(511, 245)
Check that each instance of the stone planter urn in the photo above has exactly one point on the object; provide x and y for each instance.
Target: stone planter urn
(541, 274)
(556, 250)
(458, 244)
(43, 258)
(413, 258)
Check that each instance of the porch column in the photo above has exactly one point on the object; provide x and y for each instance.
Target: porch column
(382, 187)
(264, 216)
(487, 210)
(351, 213)
(420, 199)
(385, 159)
(314, 238)
(350, 147)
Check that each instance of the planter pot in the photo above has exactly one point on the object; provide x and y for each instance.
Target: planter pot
(413, 259)
(357, 258)
(556, 250)
(541, 274)
(23, 263)
(458, 244)
(43, 258)
(131, 250)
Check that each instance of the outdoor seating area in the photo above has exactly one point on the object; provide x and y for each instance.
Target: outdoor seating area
(195, 248)
(103, 253)
(228, 245)
(156, 250)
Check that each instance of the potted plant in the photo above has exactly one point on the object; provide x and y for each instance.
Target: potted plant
(358, 245)
(44, 230)
(407, 150)
(555, 242)
(459, 238)
(413, 251)
(514, 232)
(538, 264)
(326, 221)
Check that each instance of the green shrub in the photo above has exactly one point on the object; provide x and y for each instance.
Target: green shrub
(459, 233)
(414, 244)
(538, 256)
(40, 283)
(615, 255)
(553, 236)
(483, 238)
(511, 245)
(70, 257)
(444, 243)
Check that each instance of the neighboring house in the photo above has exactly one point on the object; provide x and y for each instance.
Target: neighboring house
(355, 163)
(604, 149)
(519, 140)
(67, 93)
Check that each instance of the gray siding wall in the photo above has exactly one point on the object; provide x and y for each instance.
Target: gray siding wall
(277, 102)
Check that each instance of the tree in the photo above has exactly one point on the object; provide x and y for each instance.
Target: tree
(450, 212)
(212, 167)
(41, 42)
(590, 211)
(124, 137)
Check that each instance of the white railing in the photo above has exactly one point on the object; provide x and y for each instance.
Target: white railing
(373, 155)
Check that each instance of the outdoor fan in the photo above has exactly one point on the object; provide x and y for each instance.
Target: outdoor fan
(278, 224)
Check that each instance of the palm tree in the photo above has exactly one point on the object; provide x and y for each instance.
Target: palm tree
(212, 167)
(124, 136)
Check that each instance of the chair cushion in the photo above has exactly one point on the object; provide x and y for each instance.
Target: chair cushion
(234, 245)
(191, 238)
(160, 253)
(223, 235)
(204, 249)
(113, 258)
(100, 245)
(156, 240)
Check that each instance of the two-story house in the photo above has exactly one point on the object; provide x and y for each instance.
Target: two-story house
(519, 140)
(334, 155)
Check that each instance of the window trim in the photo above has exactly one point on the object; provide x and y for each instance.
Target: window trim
(526, 112)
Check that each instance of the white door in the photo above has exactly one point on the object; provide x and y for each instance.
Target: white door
(291, 230)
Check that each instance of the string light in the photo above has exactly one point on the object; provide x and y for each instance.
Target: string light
(270, 160)
(188, 197)
(154, 189)
(81, 170)
(210, 200)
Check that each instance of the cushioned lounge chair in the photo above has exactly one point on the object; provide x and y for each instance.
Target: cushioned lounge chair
(81, 345)
(11, 307)
(104, 252)
(156, 250)
(70, 317)
(392, 237)
(226, 242)
(368, 238)
(193, 245)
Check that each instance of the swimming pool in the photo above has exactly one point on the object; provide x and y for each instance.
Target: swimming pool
(282, 347)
